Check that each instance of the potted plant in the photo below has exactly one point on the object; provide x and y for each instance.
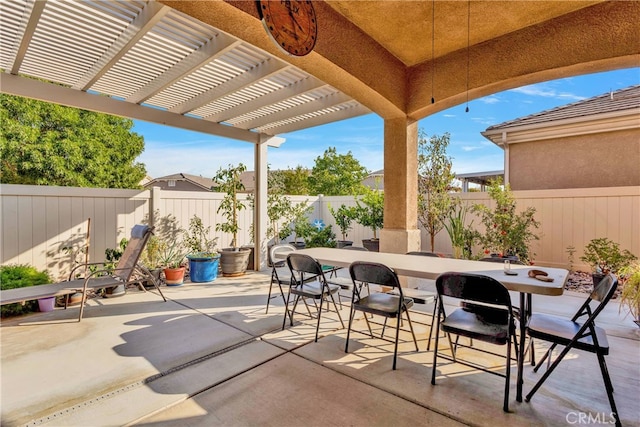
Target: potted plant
(369, 212)
(461, 235)
(323, 237)
(171, 258)
(300, 224)
(203, 258)
(604, 256)
(343, 217)
(630, 295)
(507, 234)
(233, 260)
(150, 258)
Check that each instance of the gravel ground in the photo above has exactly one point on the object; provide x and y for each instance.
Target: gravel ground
(579, 281)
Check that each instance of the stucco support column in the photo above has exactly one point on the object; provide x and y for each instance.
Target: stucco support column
(260, 204)
(505, 145)
(400, 233)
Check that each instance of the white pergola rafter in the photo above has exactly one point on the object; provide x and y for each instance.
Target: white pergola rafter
(26, 35)
(299, 109)
(213, 49)
(151, 14)
(261, 72)
(298, 88)
(335, 115)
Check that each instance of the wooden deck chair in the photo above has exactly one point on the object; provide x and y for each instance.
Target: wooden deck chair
(127, 271)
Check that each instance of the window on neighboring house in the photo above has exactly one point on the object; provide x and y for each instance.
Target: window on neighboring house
(172, 183)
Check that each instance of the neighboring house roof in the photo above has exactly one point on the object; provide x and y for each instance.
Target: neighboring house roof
(247, 178)
(198, 181)
(481, 178)
(620, 100)
(375, 180)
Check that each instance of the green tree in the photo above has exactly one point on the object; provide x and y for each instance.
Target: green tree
(228, 181)
(296, 181)
(434, 183)
(49, 144)
(369, 211)
(337, 174)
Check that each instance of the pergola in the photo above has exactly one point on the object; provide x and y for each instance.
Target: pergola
(209, 66)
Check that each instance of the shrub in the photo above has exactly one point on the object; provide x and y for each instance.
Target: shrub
(507, 232)
(20, 276)
(321, 238)
(604, 256)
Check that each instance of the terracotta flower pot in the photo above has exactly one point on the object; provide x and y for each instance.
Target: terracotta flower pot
(174, 276)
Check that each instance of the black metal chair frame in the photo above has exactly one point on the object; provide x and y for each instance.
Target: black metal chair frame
(275, 275)
(517, 312)
(388, 305)
(573, 335)
(435, 296)
(316, 289)
(489, 318)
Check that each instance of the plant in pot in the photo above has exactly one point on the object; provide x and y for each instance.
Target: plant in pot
(233, 260)
(507, 233)
(630, 295)
(369, 212)
(343, 217)
(321, 238)
(150, 258)
(300, 224)
(604, 256)
(462, 236)
(172, 261)
(203, 257)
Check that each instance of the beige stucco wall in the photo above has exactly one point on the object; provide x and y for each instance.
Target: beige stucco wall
(588, 161)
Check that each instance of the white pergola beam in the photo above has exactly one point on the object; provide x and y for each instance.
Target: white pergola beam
(306, 108)
(30, 88)
(213, 49)
(28, 29)
(149, 16)
(298, 88)
(347, 113)
(262, 71)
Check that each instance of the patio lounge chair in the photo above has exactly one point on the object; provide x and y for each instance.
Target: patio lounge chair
(127, 271)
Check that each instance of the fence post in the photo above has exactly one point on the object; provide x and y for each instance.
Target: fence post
(154, 203)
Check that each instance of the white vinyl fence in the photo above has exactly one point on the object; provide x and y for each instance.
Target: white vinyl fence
(47, 226)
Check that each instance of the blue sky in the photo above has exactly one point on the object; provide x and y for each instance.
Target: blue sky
(169, 150)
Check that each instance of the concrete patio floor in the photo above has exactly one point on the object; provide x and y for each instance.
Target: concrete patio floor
(211, 356)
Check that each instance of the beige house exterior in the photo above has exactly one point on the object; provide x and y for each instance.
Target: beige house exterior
(588, 144)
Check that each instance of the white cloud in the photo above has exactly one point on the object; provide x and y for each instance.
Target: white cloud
(468, 148)
(490, 100)
(546, 91)
(449, 115)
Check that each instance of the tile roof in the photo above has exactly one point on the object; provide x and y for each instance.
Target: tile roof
(623, 99)
(206, 183)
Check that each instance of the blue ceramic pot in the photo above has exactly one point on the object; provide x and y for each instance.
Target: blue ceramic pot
(203, 268)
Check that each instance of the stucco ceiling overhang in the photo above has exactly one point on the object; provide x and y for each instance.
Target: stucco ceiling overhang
(210, 65)
(379, 52)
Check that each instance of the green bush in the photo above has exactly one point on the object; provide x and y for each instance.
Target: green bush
(20, 276)
(324, 238)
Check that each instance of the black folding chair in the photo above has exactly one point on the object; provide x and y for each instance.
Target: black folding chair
(318, 289)
(387, 305)
(572, 334)
(280, 273)
(488, 319)
(425, 296)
